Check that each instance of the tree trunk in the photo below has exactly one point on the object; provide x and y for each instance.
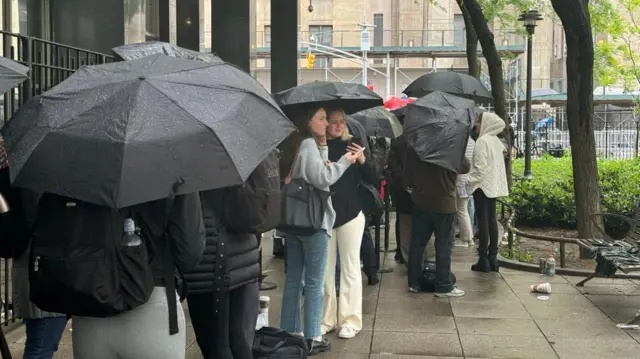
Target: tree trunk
(473, 63)
(494, 64)
(576, 21)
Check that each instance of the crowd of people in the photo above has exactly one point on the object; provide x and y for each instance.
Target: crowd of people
(219, 268)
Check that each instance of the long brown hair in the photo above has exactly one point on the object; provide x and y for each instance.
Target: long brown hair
(289, 147)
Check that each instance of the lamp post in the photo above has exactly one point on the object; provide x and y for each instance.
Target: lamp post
(529, 18)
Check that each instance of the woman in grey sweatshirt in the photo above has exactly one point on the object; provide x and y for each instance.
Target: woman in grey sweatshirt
(308, 254)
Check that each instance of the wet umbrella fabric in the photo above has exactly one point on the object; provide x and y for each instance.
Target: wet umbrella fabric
(347, 96)
(453, 83)
(125, 133)
(379, 122)
(12, 74)
(144, 49)
(437, 127)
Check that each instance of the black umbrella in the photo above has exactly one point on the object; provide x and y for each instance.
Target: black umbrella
(450, 82)
(144, 49)
(437, 127)
(124, 133)
(379, 122)
(347, 96)
(12, 74)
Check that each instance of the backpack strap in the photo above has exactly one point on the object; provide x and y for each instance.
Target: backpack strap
(169, 265)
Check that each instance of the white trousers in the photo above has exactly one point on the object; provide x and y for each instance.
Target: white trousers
(345, 311)
(464, 221)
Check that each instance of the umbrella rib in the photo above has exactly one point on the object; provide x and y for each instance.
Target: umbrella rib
(195, 118)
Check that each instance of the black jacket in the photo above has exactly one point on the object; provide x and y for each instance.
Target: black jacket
(401, 198)
(344, 197)
(241, 250)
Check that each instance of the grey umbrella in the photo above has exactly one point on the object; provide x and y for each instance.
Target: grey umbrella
(346, 96)
(437, 127)
(143, 49)
(453, 83)
(379, 122)
(12, 74)
(124, 133)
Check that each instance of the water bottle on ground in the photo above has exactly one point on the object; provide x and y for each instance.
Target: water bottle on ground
(130, 238)
(551, 266)
(263, 315)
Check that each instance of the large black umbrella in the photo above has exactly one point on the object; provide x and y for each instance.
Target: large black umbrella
(347, 96)
(124, 133)
(12, 74)
(379, 122)
(453, 83)
(437, 127)
(144, 49)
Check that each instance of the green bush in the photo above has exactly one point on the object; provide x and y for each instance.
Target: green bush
(547, 199)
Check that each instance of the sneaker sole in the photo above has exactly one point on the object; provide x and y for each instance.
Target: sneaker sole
(447, 295)
(347, 336)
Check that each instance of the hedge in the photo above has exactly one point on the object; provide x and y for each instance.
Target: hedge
(547, 199)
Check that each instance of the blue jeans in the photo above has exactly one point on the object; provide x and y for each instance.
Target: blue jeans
(425, 223)
(43, 337)
(472, 210)
(306, 256)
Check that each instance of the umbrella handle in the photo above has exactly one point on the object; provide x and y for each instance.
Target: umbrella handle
(176, 186)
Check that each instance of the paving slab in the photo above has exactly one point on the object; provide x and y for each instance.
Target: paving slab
(505, 346)
(424, 344)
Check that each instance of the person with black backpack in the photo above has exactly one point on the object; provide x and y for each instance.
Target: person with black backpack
(223, 289)
(114, 272)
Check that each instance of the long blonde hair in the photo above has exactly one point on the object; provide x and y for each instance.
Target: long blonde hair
(345, 136)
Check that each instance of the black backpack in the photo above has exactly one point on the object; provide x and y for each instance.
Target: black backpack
(427, 280)
(254, 207)
(79, 266)
(274, 343)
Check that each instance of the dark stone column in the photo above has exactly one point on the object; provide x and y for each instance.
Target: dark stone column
(230, 35)
(188, 24)
(163, 20)
(284, 44)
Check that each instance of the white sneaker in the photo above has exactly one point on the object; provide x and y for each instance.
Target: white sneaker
(454, 293)
(347, 333)
(459, 243)
(326, 329)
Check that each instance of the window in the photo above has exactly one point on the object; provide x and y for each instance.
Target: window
(378, 33)
(152, 20)
(266, 42)
(458, 30)
(561, 86)
(323, 36)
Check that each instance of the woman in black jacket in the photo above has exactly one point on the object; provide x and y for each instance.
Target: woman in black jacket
(401, 198)
(223, 291)
(347, 233)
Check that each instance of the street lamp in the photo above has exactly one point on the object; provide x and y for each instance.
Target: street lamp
(529, 18)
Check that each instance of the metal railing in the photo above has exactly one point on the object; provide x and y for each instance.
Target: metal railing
(50, 63)
(395, 38)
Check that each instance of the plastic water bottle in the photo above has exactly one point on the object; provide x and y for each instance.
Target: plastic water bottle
(131, 238)
(551, 266)
(263, 315)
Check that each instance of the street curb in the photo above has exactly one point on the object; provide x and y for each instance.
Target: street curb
(533, 268)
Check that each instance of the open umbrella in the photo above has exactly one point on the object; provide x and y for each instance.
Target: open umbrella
(347, 96)
(437, 127)
(144, 49)
(12, 74)
(124, 133)
(379, 122)
(453, 83)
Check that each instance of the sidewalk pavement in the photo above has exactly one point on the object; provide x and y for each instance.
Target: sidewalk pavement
(497, 318)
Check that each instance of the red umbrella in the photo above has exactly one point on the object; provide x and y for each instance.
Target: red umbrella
(394, 103)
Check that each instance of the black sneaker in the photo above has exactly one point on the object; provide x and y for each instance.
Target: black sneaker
(317, 347)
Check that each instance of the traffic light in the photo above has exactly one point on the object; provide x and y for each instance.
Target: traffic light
(311, 60)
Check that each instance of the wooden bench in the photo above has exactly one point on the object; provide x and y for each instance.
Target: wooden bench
(614, 254)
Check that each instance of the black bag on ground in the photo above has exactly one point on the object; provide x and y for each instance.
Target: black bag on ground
(78, 264)
(254, 207)
(427, 280)
(274, 343)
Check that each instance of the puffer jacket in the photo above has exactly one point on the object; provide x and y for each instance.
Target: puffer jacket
(242, 264)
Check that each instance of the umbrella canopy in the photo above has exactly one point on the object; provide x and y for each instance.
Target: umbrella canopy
(395, 103)
(437, 127)
(12, 74)
(379, 122)
(453, 83)
(347, 96)
(144, 49)
(124, 133)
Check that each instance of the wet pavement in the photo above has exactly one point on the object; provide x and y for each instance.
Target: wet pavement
(497, 318)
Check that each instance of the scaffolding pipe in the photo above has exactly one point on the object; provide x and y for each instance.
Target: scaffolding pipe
(388, 79)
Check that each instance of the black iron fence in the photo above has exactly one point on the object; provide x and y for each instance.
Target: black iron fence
(50, 63)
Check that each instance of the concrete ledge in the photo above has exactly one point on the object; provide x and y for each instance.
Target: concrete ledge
(534, 268)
